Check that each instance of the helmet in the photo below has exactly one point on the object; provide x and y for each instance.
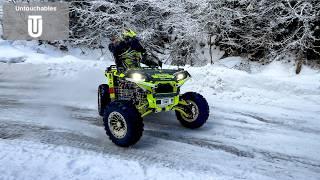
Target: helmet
(128, 33)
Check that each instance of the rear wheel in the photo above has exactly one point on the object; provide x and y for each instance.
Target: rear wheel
(197, 110)
(123, 123)
(103, 98)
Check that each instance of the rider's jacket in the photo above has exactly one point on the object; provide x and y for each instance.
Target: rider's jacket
(127, 52)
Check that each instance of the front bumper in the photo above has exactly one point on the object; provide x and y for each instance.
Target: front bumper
(163, 102)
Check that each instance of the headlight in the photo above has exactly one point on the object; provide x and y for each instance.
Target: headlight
(138, 77)
(181, 75)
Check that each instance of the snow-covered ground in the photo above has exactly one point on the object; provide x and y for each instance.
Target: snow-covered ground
(263, 125)
(25, 160)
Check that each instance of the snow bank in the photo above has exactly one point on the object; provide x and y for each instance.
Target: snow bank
(275, 84)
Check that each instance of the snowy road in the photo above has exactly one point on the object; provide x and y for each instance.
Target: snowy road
(277, 139)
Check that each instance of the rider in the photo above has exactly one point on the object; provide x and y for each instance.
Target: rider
(128, 51)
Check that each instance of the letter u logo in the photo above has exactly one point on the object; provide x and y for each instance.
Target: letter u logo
(35, 26)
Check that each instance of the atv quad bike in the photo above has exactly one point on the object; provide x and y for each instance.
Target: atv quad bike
(133, 94)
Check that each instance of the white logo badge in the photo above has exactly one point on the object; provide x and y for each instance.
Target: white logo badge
(35, 26)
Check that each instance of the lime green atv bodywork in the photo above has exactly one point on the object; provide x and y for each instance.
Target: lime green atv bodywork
(135, 93)
(152, 79)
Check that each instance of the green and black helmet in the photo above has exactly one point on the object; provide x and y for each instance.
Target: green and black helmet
(128, 33)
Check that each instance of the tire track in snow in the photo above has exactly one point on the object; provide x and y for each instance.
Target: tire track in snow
(46, 135)
(248, 152)
(138, 152)
(61, 137)
(56, 137)
(268, 156)
(281, 123)
(7, 102)
(212, 145)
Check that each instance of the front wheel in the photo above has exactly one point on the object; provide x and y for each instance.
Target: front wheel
(196, 110)
(123, 123)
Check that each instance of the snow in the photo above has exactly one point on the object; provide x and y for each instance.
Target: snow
(22, 160)
(230, 62)
(294, 99)
(264, 122)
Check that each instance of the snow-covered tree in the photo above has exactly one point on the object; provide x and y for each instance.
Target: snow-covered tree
(264, 28)
(182, 30)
